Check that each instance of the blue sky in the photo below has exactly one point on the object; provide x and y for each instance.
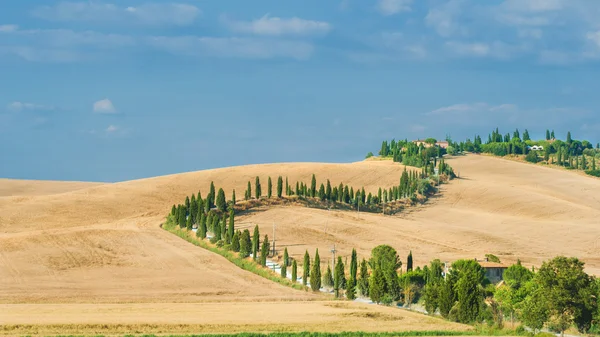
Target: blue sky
(111, 91)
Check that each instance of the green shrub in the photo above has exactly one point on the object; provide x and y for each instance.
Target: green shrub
(213, 240)
(220, 243)
(532, 157)
(594, 173)
(369, 155)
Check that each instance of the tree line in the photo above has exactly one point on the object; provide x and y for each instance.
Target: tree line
(569, 153)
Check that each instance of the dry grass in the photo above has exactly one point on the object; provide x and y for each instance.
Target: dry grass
(96, 257)
(27, 188)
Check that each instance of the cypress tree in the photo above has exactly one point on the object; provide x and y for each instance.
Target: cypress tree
(212, 195)
(207, 204)
(547, 134)
(188, 223)
(245, 244)
(233, 201)
(353, 265)
(351, 193)
(346, 195)
(363, 195)
(187, 203)
(249, 191)
(224, 228)
(202, 227)
(269, 188)
(351, 289)
(322, 192)
(255, 242)
(221, 203)
(182, 217)
(257, 189)
(284, 270)
(173, 210)
(409, 262)
(328, 190)
(231, 227)
(294, 271)
(217, 228)
(340, 192)
(286, 257)
(287, 188)
(328, 278)
(235, 241)
(306, 268)
(313, 186)
(339, 279)
(280, 186)
(569, 139)
(315, 273)
(193, 208)
(363, 281)
(297, 189)
(264, 251)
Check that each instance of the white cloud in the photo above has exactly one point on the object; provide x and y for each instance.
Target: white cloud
(391, 7)
(251, 48)
(473, 107)
(112, 128)
(496, 49)
(444, 18)
(8, 28)
(21, 106)
(148, 14)
(275, 26)
(468, 49)
(104, 106)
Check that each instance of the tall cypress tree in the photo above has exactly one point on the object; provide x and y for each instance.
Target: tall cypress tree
(313, 186)
(327, 278)
(305, 268)
(224, 227)
(363, 281)
(353, 265)
(221, 203)
(212, 194)
(269, 188)
(217, 228)
(547, 134)
(257, 189)
(235, 241)
(294, 271)
(188, 223)
(245, 244)
(182, 216)
(328, 190)
(231, 227)
(339, 279)
(255, 242)
(173, 210)
(286, 257)
(187, 203)
(569, 139)
(297, 189)
(264, 251)
(248, 191)
(315, 273)
(280, 187)
(284, 270)
(287, 187)
(409, 262)
(201, 233)
(322, 192)
(193, 208)
(233, 201)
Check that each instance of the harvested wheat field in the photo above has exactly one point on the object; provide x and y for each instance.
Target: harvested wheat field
(510, 209)
(97, 257)
(13, 187)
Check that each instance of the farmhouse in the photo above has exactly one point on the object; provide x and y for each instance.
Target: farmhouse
(494, 271)
(443, 145)
(536, 148)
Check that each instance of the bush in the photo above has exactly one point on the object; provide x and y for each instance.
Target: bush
(532, 157)
(595, 173)
(213, 240)
(369, 155)
(520, 330)
(220, 243)
(387, 299)
(451, 150)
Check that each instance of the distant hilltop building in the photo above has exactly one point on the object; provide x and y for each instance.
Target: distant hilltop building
(494, 271)
(443, 145)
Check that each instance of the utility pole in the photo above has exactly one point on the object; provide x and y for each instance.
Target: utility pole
(333, 252)
(273, 239)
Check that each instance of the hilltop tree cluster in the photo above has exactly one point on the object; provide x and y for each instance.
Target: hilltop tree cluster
(569, 153)
(425, 155)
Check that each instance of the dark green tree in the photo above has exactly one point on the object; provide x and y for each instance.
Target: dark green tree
(294, 271)
(315, 273)
(322, 192)
(255, 242)
(257, 188)
(269, 188)
(221, 203)
(409, 262)
(264, 251)
(182, 216)
(231, 227)
(245, 244)
(188, 223)
(377, 285)
(569, 139)
(328, 278)
(313, 186)
(211, 195)
(447, 298)
(306, 268)
(526, 135)
(328, 190)
(339, 279)
(284, 270)
(201, 233)
(173, 210)
(470, 297)
(233, 201)
(280, 187)
(286, 257)
(547, 134)
(353, 265)
(248, 191)
(235, 241)
(363, 281)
